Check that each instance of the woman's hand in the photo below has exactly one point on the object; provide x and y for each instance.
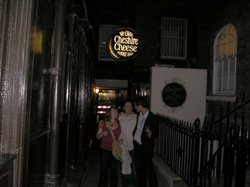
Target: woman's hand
(105, 133)
(100, 133)
(108, 123)
(101, 124)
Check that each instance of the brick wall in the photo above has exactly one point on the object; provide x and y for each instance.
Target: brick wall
(148, 26)
(205, 19)
(212, 17)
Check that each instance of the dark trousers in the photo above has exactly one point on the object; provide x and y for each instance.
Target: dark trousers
(143, 156)
(108, 172)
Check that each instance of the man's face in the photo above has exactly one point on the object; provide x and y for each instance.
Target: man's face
(137, 108)
(128, 108)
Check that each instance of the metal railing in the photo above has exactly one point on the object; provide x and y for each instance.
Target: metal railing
(177, 146)
(215, 154)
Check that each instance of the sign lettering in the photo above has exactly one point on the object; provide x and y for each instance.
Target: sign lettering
(123, 44)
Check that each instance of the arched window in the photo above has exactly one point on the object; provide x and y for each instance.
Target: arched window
(225, 60)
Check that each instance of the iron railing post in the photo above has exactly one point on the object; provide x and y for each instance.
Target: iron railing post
(196, 154)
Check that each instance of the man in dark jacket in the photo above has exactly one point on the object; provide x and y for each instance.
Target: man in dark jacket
(145, 133)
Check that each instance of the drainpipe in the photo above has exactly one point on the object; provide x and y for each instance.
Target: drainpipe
(53, 177)
(68, 75)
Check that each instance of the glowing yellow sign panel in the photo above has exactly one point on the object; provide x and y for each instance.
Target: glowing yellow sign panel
(124, 44)
(36, 42)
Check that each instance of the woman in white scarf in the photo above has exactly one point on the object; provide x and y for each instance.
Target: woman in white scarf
(127, 121)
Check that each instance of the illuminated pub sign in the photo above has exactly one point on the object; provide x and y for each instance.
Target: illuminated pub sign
(123, 44)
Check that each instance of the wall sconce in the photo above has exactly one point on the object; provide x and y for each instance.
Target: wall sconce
(96, 90)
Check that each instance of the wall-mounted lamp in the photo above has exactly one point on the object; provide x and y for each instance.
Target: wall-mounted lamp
(96, 90)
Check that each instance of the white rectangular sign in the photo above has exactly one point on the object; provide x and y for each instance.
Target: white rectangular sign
(178, 92)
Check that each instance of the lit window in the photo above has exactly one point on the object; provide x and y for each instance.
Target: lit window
(225, 60)
(173, 38)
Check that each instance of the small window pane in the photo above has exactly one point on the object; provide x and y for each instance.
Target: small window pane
(232, 67)
(231, 82)
(225, 68)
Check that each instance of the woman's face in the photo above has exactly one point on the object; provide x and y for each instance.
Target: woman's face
(114, 113)
(128, 108)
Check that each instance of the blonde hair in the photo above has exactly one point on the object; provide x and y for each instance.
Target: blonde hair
(107, 116)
